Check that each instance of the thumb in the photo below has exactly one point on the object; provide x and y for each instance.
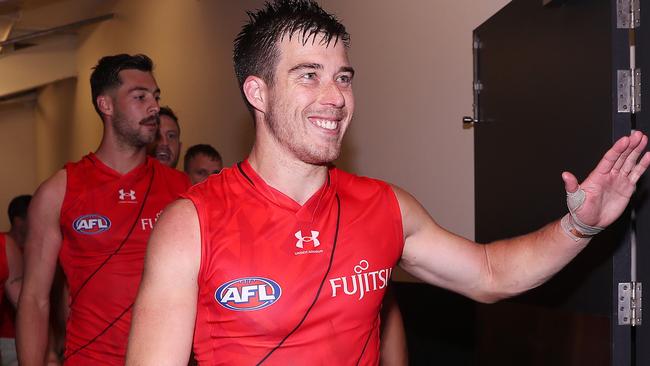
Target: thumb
(570, 182)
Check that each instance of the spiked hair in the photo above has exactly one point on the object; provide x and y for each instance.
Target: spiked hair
(255, 48)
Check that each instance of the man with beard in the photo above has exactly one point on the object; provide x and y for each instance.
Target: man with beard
(284, 259)
(95, 216)
(167, 146)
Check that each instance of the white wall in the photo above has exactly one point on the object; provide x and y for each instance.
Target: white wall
(17, 155)
(54, 116)
(413, 85)
(414, 73)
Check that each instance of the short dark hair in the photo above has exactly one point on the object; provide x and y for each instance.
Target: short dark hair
(18, 207)
(195, 150)
(255, 48)
(166, 111)
(106, 76)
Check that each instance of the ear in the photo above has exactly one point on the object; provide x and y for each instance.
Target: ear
(105, 104)
(256, 92)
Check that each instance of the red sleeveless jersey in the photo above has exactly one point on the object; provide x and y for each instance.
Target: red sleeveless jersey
(106, 220)
(7, 311)
(4, 267)
(288, 284)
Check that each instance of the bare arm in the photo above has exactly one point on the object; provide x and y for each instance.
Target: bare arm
(508, 267)
(15, 263)
(41, 252)
(165, 309)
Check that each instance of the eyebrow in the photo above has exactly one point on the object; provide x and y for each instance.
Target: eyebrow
(142, 88)
(316, 66)
(306, 66)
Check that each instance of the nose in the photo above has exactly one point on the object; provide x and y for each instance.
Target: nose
(154, 107)
(332, 95)
(163, 140)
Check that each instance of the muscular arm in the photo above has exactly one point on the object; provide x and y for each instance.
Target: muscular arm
(15, 263)
(485, 273)
(508, 267)
(165, 309)
(41, 251)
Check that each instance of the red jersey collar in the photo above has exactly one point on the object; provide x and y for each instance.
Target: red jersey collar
(326, 192)
(138, 170)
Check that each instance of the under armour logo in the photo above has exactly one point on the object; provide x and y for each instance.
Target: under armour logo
(124, 195)
(307, 239)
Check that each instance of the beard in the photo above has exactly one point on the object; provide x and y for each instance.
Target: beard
(298, 143)
(132, 135)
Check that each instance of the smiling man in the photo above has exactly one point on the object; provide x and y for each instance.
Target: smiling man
(167, 146)
(95, 217)
(284, 259)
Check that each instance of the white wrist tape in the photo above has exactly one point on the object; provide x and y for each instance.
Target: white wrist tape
(571, 224)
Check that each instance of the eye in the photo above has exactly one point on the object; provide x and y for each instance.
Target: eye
(344, 79)
(309, 76)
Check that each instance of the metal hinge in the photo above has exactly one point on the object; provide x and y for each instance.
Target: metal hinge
(630, 301)
(477, 86)
(628, 14)
(629, 90)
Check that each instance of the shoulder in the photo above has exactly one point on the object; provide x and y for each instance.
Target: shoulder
(178, 224)
(52, 190)
(172, 176)
(216, 185)
(45, 206)
(82, 164)
(360, 185)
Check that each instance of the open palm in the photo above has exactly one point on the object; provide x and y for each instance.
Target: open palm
(609, 187)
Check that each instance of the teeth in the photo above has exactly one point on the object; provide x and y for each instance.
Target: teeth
(328, 125)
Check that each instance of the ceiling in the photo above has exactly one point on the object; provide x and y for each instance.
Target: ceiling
(32, 31)
(41, 20)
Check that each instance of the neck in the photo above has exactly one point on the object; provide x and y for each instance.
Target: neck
(119, 156)
(294, 178)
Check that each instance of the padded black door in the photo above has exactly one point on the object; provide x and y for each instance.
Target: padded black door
(547, 104)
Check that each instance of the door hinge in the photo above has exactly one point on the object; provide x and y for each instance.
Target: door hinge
(629, 90)
(477, 86)
(628, 14)
(630, 302)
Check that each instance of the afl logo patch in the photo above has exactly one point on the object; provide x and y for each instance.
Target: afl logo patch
(91, 224)
(247, 294)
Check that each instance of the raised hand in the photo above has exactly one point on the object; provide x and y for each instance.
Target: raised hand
(608, 188)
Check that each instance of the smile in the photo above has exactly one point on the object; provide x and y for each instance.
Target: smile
(326, 124)
(163, 155)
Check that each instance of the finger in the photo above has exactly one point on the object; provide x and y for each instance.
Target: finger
(631, 160)
(612, 155)
(640, 168)
(634, 139)
(570, 182)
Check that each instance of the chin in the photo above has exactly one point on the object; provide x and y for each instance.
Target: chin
(321, 159)
(147, 140)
